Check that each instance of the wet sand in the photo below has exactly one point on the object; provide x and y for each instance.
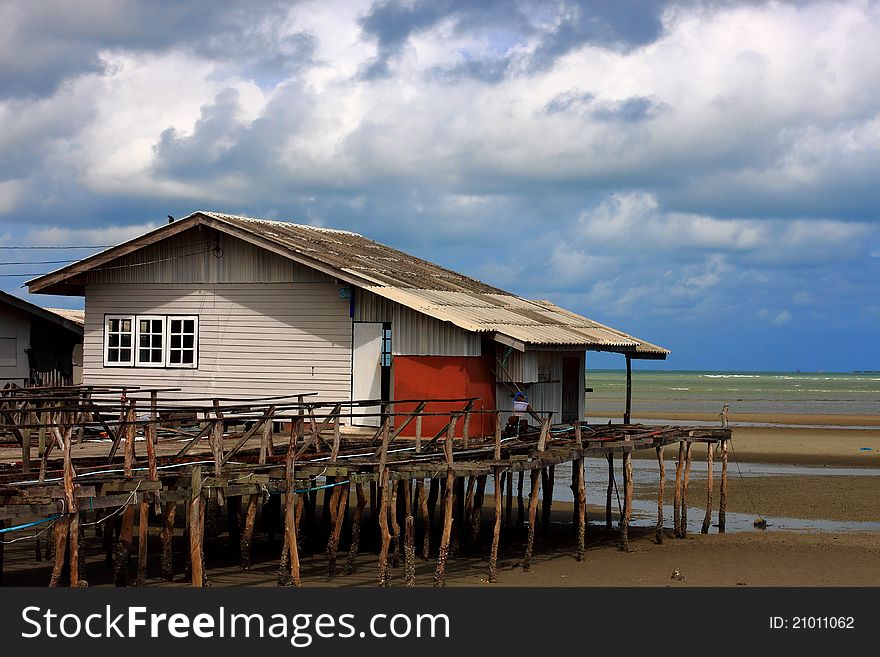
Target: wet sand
(826, 419)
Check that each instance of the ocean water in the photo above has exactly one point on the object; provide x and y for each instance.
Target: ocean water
(746, 392)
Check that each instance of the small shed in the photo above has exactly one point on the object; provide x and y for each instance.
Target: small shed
(39, 345)
(220, 305)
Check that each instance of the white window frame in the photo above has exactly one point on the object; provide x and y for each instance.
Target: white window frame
(135, 360)
(107, 361)
(163, 319)
(195, 347)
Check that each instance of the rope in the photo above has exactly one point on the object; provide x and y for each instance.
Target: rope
(743, 480)
(28, 525)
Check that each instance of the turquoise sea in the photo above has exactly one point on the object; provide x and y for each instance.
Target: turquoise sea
(746, 392)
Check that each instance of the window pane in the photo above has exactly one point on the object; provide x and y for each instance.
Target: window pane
(189, 326)
(157, 356)
(157, 326)
(113, 324)
(125, 355)
(144, 355)
(175, 325)
(188, 356)
(175, 341)
(174, 357)
(113, 356)
(113, 340)
(145, 340)
(126, 325)
(125, 339)
(188, 341)
(157, 341)
(145, 326)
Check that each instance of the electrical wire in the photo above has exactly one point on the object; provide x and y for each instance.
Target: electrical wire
(94, 246)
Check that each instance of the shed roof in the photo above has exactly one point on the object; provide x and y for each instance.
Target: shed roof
(385, 271)
(63, 318)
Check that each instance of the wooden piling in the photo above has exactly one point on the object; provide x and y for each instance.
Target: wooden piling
(722, 504)
(338, 522)
(195, 523)
(385, 534)
(62, 529)
(123, 547)
(658, 534)
(290, 495)
(710, 484)
(477, 512)
(582, 508)
(676, 503)
(143, 534)
(356, 528)
(247, 531)
(508, 514)
(520, 506)
(684, 488)
(426, 519)
(409, 548)
(627, 500)
(609, 492)
(533, 512)
(440, 573)
(167, 537)
(496, 531)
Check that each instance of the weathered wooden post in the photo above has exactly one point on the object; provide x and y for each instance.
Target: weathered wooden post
(658, 535)
(338, 521)
(548, 476)
(684, 488)
(627, 412)
(440, 573)
(496, 531)
(290, 502)
(582, 508)
(167, 536)
(196, 529)
(722, 505)
(627, 499)
(676, 502)
(610, 491)
(356, 527)
(710, 483)
(533, 511)
(384, 568)
(409, 550)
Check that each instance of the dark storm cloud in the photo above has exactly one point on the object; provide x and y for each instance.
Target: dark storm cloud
(45, 43)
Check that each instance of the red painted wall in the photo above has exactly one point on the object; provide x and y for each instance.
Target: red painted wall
(445, 377)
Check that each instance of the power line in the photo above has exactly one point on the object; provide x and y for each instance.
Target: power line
(94, 246)
(37, 262)
(216, 250)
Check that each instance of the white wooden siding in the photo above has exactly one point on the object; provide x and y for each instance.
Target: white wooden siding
(254, 339)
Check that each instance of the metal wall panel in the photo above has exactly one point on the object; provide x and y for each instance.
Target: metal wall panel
(415, 334)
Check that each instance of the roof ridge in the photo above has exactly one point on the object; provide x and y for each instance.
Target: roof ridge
(278, 222)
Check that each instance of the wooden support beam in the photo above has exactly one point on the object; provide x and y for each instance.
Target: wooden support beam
(264, 421)
(409, 548)
(62, 529)
(206, 430)
(684, 489)
(710, 484)
(123, 547)
(395, 525)
(676, 503)
(143, 535)
(582, 508)
(130, 433)
(195, 523)
(356, 527)
(336, 530)
(658, 535)
(520, 506)
(627, 500)
(533, 511)
(422, 496)
(722, 504)
(440, 573)
(290, 530)
(477, 512)
(627, 411)
(384, 568)
(610, 491)
(247, 531)
(496, 528)
(167, 537)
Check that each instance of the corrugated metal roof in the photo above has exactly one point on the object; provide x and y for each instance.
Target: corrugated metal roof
(75, 316)
(410, 281)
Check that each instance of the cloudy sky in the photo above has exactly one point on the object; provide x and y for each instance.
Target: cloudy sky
(705, 175)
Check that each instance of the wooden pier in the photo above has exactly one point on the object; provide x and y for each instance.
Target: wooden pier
(113, 458)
